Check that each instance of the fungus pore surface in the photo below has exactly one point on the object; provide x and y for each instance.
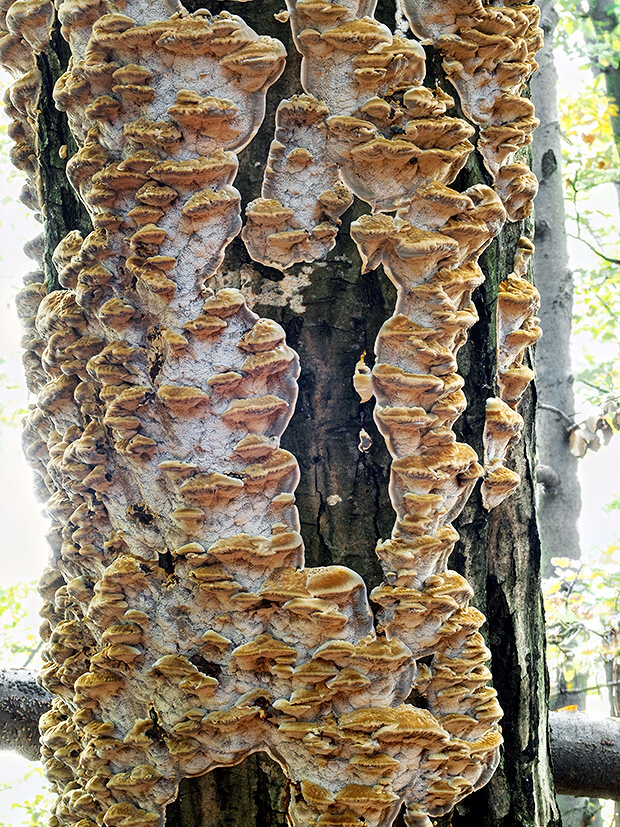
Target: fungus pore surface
(182, 630)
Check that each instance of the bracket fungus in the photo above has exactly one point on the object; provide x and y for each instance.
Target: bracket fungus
(517, 329)
(183, 630)
(488, 50)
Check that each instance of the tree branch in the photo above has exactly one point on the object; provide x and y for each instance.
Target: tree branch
(586, 755)
(585, 751)
(595, 250)
(542, 406)
(22, 702)
(584, 691)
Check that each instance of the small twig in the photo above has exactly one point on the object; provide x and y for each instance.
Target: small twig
(568, 419)
(33, 652)
(591, 385)
(572, 585)
(611, 312)
(583, 690)
(608, 259)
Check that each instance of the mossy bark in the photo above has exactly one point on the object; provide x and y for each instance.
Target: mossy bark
(343, 494)
(62, 209)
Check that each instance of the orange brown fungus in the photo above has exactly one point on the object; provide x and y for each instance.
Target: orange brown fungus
(183, 630)
(366, 123)
(303, 196)
(489, 51)
(517, 329)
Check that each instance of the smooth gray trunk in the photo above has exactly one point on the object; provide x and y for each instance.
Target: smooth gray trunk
(559, 504)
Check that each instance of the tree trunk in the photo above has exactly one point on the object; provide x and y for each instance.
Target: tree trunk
(331, 313)
(559, 494)
(605, 21)
(559, 502)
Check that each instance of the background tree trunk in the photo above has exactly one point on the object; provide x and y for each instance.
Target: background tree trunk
(559, 504)
(604, 19)
(331, 313)
(559, 493)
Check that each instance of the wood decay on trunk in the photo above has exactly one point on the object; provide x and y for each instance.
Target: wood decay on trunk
(183, 631)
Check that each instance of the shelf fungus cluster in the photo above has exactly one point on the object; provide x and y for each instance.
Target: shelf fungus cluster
(183, 630)
(517, 329)
(366, 124)
(488, 49)
(25, 29)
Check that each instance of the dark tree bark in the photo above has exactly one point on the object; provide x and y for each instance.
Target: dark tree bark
(22, 702)
(63, 209)
(331, 313)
